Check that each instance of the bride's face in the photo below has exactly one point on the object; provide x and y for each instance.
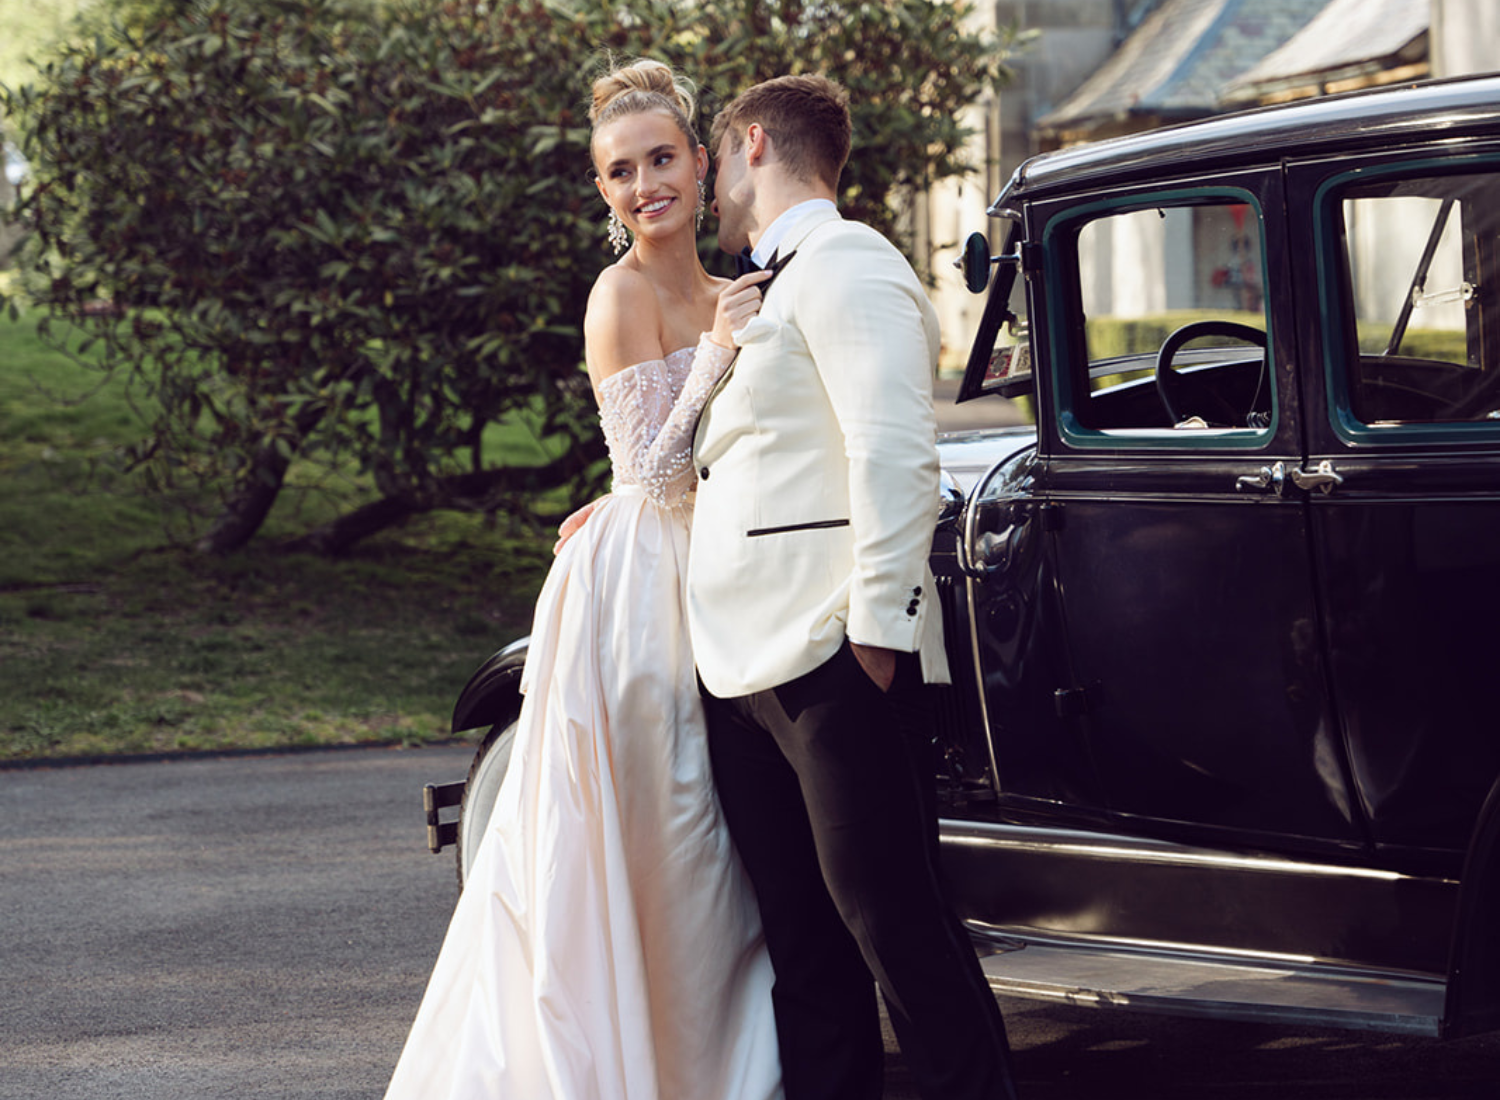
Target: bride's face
(648, 172)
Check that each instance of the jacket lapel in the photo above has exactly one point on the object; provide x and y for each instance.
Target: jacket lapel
(790, 244)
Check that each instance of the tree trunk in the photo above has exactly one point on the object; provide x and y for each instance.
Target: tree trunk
(248, 505)
(461, 492)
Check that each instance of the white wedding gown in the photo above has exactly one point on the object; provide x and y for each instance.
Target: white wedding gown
(606, 945)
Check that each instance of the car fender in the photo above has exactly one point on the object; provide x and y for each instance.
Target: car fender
(492, 695)
(1473, 997)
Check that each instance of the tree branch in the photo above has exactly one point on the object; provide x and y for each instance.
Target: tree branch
(479, 491)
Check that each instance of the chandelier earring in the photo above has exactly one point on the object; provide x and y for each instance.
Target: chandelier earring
(702, 204)
(619, 238)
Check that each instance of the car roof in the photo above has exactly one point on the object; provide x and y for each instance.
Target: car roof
(1382, 118)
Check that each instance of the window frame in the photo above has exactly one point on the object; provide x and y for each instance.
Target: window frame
(1066, 363)
(1338, 322)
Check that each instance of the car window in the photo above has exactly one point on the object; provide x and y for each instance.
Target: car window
(1412, 336)
(1168, 339)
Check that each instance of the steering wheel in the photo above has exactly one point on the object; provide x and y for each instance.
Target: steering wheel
(1176, 389)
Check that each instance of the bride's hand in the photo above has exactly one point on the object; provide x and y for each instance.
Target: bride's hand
(739, 302)
(571, 525)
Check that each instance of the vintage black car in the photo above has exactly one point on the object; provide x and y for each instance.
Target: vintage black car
(1221, 739)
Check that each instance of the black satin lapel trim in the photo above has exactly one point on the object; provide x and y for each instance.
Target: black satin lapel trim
(775, 267)
(816, 525)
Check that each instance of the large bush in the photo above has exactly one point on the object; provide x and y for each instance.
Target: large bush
(351, 234)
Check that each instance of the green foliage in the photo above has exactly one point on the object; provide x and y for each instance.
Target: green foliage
(1112, 337)
(305, 233)
(109, 643)
(108, 17)
(912, 67)
(361, 235)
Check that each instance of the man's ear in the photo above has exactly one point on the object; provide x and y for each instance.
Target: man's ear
(756, 143)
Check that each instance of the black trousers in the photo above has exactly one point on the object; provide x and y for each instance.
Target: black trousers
(827, 789)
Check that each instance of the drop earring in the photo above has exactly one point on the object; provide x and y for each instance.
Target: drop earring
(618, 237)
(702, 204)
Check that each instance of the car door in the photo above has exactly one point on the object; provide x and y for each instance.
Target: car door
(1176, 540)
(1403, 415)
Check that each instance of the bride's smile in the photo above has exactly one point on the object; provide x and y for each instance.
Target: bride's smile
(646, 169)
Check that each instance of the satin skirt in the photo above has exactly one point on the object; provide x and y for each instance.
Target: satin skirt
(606, 945)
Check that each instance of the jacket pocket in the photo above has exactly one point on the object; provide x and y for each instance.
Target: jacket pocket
(816, 525)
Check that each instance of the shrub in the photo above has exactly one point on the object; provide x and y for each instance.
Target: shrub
(360, 235)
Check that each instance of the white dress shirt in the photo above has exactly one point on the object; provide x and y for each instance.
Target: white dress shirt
(777, 231)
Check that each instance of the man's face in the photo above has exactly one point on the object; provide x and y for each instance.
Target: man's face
(732, 194)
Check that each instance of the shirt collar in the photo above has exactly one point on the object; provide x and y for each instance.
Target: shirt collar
(779, 229)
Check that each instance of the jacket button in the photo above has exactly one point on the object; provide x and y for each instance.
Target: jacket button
(917, 591)
(912, 610)
(703, 473)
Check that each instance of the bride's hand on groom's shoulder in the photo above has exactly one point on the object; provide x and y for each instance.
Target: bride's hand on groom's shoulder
(571, 525)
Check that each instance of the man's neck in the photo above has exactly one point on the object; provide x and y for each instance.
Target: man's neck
(769, 242)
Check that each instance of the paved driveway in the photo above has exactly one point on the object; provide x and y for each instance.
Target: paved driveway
(261, 927)
(251, 927)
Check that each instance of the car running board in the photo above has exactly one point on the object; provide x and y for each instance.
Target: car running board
(1316, 997)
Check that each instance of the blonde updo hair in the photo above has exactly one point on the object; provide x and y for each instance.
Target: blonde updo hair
(644, 85)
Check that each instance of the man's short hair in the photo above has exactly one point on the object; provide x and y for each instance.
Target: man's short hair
(807, 118)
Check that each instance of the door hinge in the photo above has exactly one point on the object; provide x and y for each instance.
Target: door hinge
(1073, 702)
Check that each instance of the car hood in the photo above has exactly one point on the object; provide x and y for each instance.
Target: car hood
(969, 455)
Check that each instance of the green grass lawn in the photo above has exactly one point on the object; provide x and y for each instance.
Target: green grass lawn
(114, 640)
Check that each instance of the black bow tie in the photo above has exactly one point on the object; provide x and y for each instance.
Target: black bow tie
(744, 263)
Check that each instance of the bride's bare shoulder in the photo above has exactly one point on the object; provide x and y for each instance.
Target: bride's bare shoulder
(622, 324)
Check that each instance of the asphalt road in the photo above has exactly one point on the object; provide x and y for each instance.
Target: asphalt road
(263, 927)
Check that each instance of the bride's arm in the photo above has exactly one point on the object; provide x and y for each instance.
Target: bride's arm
(663, 456)
(653, 441)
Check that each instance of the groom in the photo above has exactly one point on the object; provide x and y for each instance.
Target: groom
(813, 625)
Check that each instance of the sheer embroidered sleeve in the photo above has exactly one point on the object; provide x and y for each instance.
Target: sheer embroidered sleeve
(649, 413)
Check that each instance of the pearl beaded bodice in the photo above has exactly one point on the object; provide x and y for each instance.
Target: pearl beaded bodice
(649, 412)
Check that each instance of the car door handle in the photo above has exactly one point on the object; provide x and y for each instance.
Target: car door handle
(1323, 478)
(1270, 477)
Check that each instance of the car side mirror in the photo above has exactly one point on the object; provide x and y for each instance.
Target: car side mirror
(975, 263)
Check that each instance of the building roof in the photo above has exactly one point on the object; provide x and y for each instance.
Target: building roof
(1348, 43)
(1176, 65)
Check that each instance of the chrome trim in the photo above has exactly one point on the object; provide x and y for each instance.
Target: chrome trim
(1227, 988)
(1269, 477)
(1322, 478)
(966, 567)
(984, 707)
(965, 558)
(950, 499)
(1082, 844)
(1274, 960)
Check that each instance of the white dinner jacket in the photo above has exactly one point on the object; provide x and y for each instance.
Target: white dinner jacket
(818, 471)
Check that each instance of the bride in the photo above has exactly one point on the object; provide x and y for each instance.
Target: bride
(606, 945)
